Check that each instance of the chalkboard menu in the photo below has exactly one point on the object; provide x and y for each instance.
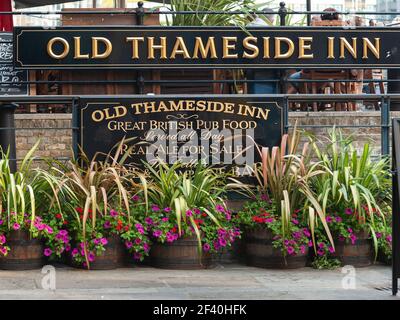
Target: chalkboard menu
(224, 131)
(11, 79)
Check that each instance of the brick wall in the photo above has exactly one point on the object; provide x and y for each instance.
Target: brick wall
(58, 143)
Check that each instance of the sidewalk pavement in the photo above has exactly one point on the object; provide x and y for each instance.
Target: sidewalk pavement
(222, 282)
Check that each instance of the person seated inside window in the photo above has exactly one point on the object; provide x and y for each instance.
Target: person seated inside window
(264, 20)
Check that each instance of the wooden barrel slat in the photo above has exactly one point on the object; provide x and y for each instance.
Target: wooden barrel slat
(182, 254)
(360, 254)
(25, 253)
(260, 252)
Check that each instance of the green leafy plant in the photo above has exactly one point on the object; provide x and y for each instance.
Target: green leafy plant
(353, 185)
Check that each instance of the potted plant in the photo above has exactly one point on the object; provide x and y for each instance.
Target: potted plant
(23, 195)
(280, 218)
(186, 216)
(100, 212)
(353, 192)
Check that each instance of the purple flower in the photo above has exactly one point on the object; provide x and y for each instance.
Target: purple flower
(63, 233)
(16, 226)
(306, 232)
(295, 221)
(41, 227)
(321, 252)
(329, 219)
(91, 257)
(74, 252)
(303, 249)
(290, 250)
(206, 247)
(104, 241)
(269, 220)
(165, 219)
(378, 235)
(297, 235)
(331, 249)
(2, 239)
(264, 197)
(189, 213)
(389, 238)
(228, 216)
(220, 208)
(341, 238)
(138, 241)
(96, 242)
(136, 198)
(286, 242)
(339, 219)
(146, 247)
(353, 239)
(197, 211)
(148, 221)
(321, 245)
(221, 232)
(167, 209)
(310, 244)
(1, 222)
(157, 233)
(113, 213)
(350, 230)
(128, 244)
(348, 211)
(47, 252)
(107, 225)
(155, 207)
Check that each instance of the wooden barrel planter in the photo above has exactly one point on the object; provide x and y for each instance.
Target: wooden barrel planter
(260, 252)
(111, 258)
(230, 255)
(25, 253)
(182, 254)
(360, 254)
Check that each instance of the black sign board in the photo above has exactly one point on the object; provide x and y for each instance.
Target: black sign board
(206, 47)
(218, 130)
(10, 78)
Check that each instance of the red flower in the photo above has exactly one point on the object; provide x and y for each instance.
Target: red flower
(173, 230)
(79, 210)
(65, 222)
(126, 228)
(58, 216)
(204, 215)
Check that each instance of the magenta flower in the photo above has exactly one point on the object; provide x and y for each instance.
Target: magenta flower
(331, 249)
(135, 198)
(197, 211)
(378, 235)
(220, 208)
(389, 238)
(155, 207)
(269, 220)
(339, 219)
(138, 241)
(113, 213)
(128, 244)
(264, 197)
(1, 222)
(348, 211)
(329, 219)
(91, 257)
(2, 239)
(103, 241)
(320, 252)
(306, 233)
(146, 247)
(167, 209)
(221, 232)
(63, 233)
(165, 219)
(321, 245)
(68, 248)
(3, 251)
(222, 242)
(189, 213)
(107, 225)
(303, 249)
(137, 256)
(157, 233)
(47, 252)
(350, 230)
(310, 244)
(295, 221)
(341, 238)
(228, 216)
(206, 247)
(49, 229)
(353, 239)
(148, 221)
(96, 242)
(290, 250)
(16, 226)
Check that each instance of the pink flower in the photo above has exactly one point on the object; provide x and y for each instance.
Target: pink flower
(128, 244)
(47, 252)
(348, 211)
(16, 226)
(290, 250)
(220, 208)
(353, 239)
(222, 242)
(264, 197)
(303, 249)
(91, 257)
(155, 207)
(137, 256)
(49, 229)
(2, 239)
(113, 213)
(1, 222)
(167, 209)
(389, 238)
(96, 241)
(329, 219)
(138, 241)
(104, 241)
(197, 211)
(339, 219)
(157, 233)
(306, 233)
(135, 198)
(3, 251)
(146, 247)
(269, 220)
(321, 245)
(189, 213)
(331, 249)
(295, 221)
(148, 220)
(165, 219)
(107, 225)
(310, 244)
(320, 252)
(350, 230)
(206, 247)
(75, 252)
(228, 216)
